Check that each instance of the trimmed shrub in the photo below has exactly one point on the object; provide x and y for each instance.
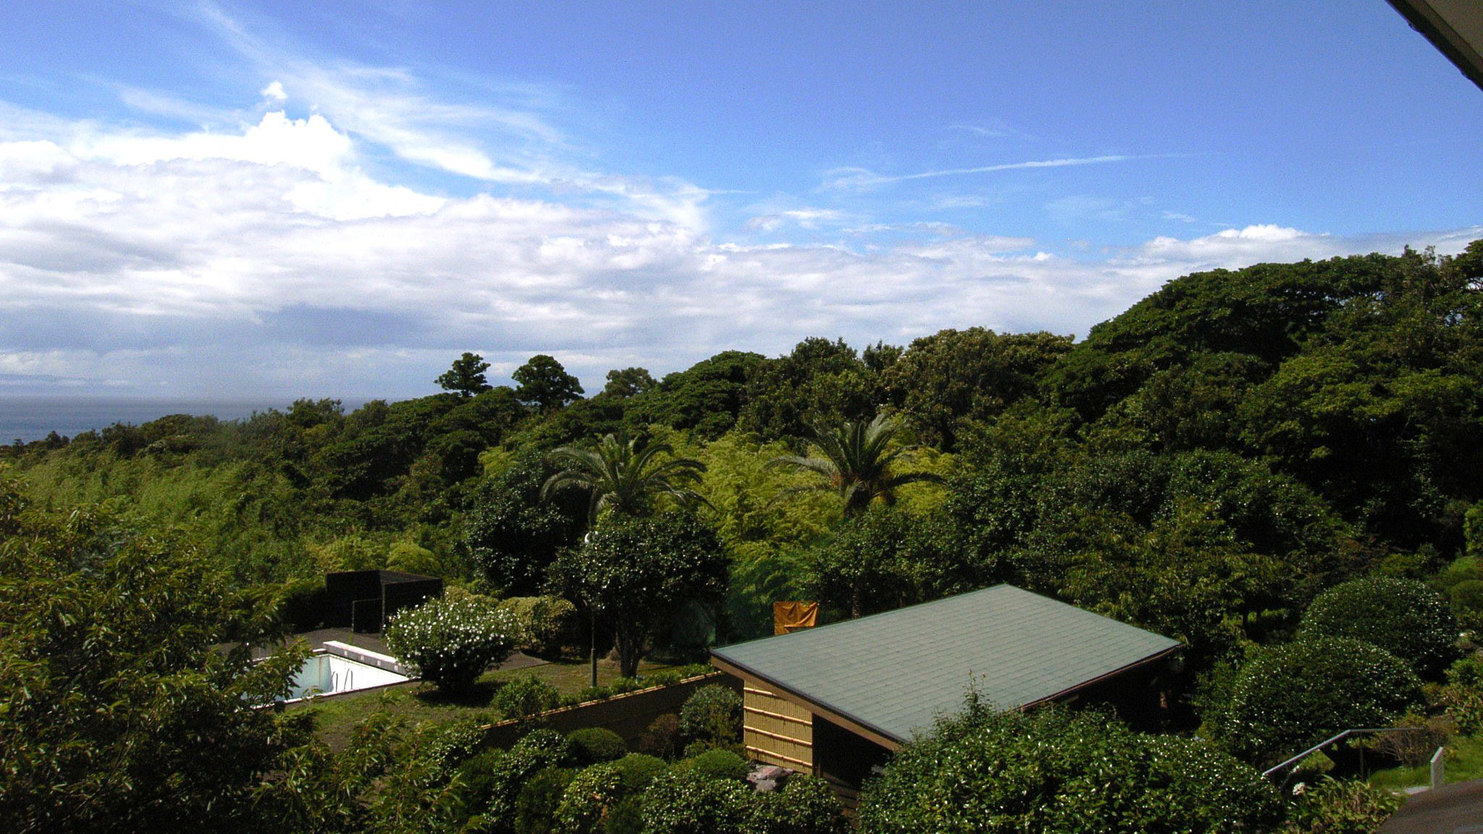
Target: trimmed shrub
(450, 640)
(1294, 695)
(508, 773)
(1404, 617)
(687, 802)
(663, 736)
(716, 763)
(526, 696)
(549, 623)
(638, 770)
(591, 745)
(588, 799)
(1463, 694)
(713, 716)
(535, 809)
(805, 805)
(1057, 771)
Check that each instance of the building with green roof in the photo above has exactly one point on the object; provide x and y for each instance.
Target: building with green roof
(836, 700)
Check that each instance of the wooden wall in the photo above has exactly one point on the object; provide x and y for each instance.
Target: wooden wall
(777, 731)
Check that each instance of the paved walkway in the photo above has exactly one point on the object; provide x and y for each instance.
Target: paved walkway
(1450, 809)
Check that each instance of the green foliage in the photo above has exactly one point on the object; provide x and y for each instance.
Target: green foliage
(1054, 771)
(635, 572)
(550, 624)
(887, 558)
(705, 399)
(804, 805)
(716, 763)
(1403, 617)
(952, 376)
(502, 781)
(1335, 806)
(535, 808)
(525, 697)
(858, 461)
(820, 381)
(545, 384)
(1463, 694)
(588, 799)
(450, 640)
(629, 382)
(624, 475)
(687, 801)
(116, 712)
(512, 533)
(1298, 694)
(592, 745)
(712, 714)
(466, 377)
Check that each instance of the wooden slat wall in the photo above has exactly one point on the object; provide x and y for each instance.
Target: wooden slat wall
(777, 731)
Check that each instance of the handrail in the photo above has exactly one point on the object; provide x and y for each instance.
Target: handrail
(1267, 774)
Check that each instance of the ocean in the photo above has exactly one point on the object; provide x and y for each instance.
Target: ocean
(33, 418)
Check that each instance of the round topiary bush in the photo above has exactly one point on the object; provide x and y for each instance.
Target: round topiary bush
(718, 764)
(588, 799)
(805, 805)
(1406, 618)
(713, 716)
(687, 802)
(450, 640)
(526, 696)
(591, 745)
(1298, 694)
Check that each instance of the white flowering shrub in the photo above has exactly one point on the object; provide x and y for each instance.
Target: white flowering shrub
(450, 640)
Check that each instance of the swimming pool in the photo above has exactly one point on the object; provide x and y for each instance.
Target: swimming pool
(342, 668)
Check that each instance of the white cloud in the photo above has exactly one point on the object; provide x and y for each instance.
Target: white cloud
(275, 92)
(265, 260)
(857, 179)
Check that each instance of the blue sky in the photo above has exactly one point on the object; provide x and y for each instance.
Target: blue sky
(273, 200)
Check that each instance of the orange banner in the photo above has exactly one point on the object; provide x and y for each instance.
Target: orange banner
(791, 616)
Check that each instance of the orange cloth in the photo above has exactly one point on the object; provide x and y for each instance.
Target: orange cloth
(791, 616)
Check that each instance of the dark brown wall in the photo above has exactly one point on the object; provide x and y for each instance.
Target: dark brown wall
(628, 715)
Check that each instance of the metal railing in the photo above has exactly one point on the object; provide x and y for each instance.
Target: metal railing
(1293, 762)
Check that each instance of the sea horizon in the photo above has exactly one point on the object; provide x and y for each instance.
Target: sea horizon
(28, 418)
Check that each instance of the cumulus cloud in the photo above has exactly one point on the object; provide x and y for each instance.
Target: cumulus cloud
(266, 260)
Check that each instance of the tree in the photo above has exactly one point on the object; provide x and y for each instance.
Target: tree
(857, 461)
(512, 533)
(629, 382)
(1057, 771)
(119, 711)
(545, 384)
(466, 377)
(624, 475)
(634, 573)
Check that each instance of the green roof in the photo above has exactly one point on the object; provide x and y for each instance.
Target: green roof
(897, 672)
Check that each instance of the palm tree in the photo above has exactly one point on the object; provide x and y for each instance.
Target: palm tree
(857, 460)
(624, 475)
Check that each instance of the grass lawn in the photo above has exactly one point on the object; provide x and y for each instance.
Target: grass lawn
(336, 717)
(1464, 762)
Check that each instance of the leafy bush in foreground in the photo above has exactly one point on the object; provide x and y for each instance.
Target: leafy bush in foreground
(450, 640)
(1297, 694)
(1055, 771)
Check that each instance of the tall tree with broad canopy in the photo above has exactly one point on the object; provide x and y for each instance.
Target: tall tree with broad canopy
(633, 573)
(859, 462)
(545, 384)
(466, 377)
(624, 475)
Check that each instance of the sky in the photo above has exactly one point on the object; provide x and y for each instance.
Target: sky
(246, 199)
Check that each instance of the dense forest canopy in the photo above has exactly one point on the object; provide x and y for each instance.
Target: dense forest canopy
(1204, 465)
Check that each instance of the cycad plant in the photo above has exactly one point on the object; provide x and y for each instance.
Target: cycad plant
(624, 475)
(859, 462)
